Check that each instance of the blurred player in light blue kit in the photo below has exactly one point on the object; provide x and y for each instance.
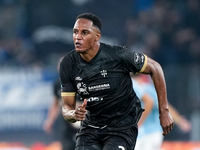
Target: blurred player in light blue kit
(150, 132)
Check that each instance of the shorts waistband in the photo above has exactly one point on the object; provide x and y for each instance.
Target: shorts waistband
(97, 127)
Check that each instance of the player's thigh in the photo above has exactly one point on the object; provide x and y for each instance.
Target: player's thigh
(87, 143)
(123, 140)
(88, 147)
(116, 143)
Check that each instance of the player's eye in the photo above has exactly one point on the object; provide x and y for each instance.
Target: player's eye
(75, 31)
(85, 32)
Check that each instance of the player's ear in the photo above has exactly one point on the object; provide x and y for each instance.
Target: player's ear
(98, 36)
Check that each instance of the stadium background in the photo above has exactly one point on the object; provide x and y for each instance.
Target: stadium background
(34, 34)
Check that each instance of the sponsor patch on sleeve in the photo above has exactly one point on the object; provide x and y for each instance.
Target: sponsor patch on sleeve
(138, 58)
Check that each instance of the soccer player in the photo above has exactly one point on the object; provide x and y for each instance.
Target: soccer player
(99, 73)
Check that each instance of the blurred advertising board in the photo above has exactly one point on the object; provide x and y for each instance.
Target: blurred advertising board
(25, 95)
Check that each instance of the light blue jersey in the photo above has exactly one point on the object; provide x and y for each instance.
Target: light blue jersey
(152, 122)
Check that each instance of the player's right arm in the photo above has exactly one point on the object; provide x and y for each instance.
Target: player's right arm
(69, 110)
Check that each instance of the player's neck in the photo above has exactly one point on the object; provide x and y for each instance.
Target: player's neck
(91, 53)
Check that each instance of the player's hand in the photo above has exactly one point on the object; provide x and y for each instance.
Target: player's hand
(80, 111)
(166, 122)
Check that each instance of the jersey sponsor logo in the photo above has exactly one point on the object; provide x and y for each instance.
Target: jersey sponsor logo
(137, 58)
(92, 99)
(82, 88)
(99, 87)
(103, 73)
(121, 147)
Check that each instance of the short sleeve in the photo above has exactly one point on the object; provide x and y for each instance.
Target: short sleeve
(134, 62)
(65, 78)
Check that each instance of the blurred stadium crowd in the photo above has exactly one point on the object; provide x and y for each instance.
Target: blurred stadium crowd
(34, 34)
(168, 31)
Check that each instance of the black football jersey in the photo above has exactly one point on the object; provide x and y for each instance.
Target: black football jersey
(106, 84)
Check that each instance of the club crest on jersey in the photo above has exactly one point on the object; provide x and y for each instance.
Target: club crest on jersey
(78, 79)
(103, 73)
(82, 88)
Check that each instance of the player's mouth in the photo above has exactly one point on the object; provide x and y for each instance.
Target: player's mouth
(78, 45)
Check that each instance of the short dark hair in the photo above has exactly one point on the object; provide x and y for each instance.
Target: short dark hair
(96, 20)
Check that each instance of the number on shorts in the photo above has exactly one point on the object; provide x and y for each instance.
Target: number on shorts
(121, 147)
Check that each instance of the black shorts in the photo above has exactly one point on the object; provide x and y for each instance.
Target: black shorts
(106, 139)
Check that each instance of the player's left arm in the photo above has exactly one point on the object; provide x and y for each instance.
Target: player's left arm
(155, 70)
